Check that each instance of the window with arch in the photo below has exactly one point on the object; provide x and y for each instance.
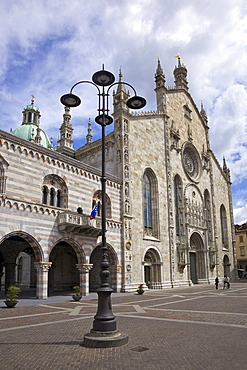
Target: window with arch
(178, 205)
(3, 171)
(150, 204)
(45, 193)
(97, 201)
(224, 231)
(208, 215)
(54, 191)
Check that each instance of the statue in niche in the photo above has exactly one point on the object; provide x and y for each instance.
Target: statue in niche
(127, 230)
(126, 189)
(127, 206)
(118, 140)
(126, 171)
(126, 126)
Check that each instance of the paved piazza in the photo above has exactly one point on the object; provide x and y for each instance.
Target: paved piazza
(182, 328)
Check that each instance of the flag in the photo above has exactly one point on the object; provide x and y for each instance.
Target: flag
(94, 212)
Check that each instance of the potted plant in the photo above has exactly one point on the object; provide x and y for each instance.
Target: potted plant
(77, 296)
(12, 292)
(140, 290)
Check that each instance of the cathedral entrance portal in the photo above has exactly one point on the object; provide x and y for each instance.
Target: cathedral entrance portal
(147, 275)
(226, 265)
(193, 274)
(152, 269)
(197, 259)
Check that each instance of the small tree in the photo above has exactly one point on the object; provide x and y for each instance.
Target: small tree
(77, 290)
(13, 292)
(77, 296)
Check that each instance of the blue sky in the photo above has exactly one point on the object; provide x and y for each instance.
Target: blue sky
(48, 45)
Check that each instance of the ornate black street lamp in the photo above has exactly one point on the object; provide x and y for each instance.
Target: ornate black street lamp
(104, 332)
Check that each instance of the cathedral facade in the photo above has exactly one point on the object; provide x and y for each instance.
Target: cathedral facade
(168, 203)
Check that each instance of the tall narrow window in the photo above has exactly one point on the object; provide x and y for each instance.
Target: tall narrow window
(35, 118)
(178, 205)
(224, 231)
(147, 207)
(208, 215)
(44, 195)
(3, 172)
(58, 198)
(150, 203)
(52, 196)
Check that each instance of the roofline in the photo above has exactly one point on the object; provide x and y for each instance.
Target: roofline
(56, 155)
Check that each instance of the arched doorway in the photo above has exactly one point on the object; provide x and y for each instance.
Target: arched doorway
(226, 265)
(63, 274)
(19, 251)
(95, 259)
(197, 259)
(152, 269)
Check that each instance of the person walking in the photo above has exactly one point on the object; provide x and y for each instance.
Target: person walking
(226, 282)
(216, 282)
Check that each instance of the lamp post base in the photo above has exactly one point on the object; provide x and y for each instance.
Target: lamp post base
(98, 339)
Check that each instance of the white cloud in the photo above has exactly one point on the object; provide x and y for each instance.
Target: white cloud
(46, 46)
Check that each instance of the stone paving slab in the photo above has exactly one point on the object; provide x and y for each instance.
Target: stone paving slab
(204, 333)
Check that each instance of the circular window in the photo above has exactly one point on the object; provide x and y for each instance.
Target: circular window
(191, 162)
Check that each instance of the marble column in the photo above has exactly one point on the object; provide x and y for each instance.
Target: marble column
(84, 269)
(42, 279)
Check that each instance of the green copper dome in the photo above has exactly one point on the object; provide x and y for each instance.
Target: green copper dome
(28, 131)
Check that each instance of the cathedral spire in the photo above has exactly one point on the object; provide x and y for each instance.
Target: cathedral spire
(65, 143)
(159, 70)
(120, 97)
(226, 170)
(160, 88)
(203, 114)
(180, 75)
(89, 136)
(121, 86)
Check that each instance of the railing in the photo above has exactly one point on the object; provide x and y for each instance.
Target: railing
(78, 223)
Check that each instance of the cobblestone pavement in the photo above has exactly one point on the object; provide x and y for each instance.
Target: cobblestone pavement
(183, 328)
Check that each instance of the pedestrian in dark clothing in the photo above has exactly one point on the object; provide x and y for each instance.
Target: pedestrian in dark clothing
(216, 282)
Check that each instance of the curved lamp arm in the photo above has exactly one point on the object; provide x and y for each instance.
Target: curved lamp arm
(82, 82)
(71, 100)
